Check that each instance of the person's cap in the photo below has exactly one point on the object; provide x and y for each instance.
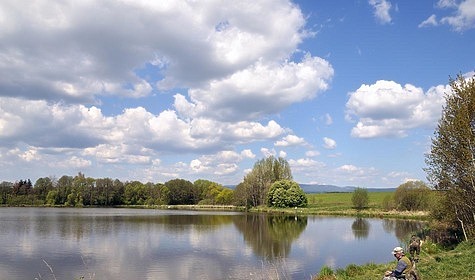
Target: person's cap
(397, 250)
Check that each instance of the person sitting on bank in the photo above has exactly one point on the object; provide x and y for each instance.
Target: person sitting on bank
(403, 266)
(415, 247)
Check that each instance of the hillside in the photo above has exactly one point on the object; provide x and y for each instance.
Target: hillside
(317, 188)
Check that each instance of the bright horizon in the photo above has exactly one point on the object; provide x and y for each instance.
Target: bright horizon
(348, 92)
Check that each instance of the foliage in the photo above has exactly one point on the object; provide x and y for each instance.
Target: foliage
(451, 161)
(5, 192)
(181, 192)
(253, 190)
(240, 196)
(388, 202)
(412, 196)
(286, 193)
(80, 191)
(211, 193)
(135, 193)
(42, 187)
(360, 198)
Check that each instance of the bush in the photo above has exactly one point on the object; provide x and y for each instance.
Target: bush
(286, 193)
(412, 195)
(388, 203)
(360, 198)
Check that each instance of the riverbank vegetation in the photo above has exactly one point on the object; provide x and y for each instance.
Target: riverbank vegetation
(435, 263)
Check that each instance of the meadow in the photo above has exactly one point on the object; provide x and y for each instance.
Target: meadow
(340, 204)
(342, 201)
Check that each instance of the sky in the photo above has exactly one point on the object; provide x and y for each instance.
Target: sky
(349, 92)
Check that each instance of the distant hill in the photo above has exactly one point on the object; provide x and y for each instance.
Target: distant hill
(316, 188)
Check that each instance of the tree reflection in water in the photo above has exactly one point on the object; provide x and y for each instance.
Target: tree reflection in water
(402, 228)
(269, 236)
(360, 228)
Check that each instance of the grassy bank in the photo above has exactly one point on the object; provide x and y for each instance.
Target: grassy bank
(435, 263)
(340, 204)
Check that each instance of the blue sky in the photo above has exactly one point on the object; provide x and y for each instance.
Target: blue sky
(348, 92)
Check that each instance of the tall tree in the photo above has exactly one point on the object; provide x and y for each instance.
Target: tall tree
(5, 191)
(181, 192)
(64, 186)
(451, 161)
(256, 184)
(42, 187)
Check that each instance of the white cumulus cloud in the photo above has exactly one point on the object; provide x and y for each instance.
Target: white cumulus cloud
(388, 109)
(329, 143)
(290, 140)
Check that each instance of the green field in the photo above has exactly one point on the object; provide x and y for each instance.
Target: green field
(342, 201)
(340, 204)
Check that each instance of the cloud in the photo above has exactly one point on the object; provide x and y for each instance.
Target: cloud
(135, 136)
(304, 163)
(60, 51)
(224, 163)
(447, 4)
(329, 143)
(430, 21)
(463, 17)
(388, 109)
(328, 119)
(247, 153)
(268, 152)
(66, 76)
(381, 10)
(312, 153)
(257, 91)
(356, 174)
(290, 140)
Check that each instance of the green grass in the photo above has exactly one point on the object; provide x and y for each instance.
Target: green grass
(434, 264)
(340, 204)
(342, 201)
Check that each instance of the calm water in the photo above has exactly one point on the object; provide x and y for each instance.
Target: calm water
(51, 243)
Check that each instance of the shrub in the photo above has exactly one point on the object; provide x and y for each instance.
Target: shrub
(360, 198)
(286, 193)
(388, 203)
(412, 195)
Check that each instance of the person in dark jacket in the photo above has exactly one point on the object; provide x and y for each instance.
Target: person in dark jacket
(415, 247)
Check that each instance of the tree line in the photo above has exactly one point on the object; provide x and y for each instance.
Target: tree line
(81, 191)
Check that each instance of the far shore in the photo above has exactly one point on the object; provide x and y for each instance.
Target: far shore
(365, 213)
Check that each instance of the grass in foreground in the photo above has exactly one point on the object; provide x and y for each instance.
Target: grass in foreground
(435, 263)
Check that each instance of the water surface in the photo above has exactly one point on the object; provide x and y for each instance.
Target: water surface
(101, 244)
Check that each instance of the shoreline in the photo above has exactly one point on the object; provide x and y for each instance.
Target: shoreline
(392, 214)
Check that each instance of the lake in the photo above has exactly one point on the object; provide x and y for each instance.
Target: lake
(106, 243)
